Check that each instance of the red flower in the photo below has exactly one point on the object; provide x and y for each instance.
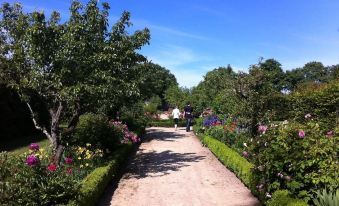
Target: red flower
(52, 167)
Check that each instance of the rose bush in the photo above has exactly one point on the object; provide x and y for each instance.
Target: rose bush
(301, 158)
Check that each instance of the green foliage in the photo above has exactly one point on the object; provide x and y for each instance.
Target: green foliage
(93, 186)
(79, 65)
(216, 132)
(177, 96)
(133, 116)
(321, 101)
(94, 129)
(284, 159)
(325, 198)
(154, 80)
(24, 185)
(153, 105)
(282, 198)
(167, 123)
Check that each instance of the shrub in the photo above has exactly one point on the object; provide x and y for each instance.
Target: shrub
(95, 183)
(167, 123)
(94, 129)
(282, 198)
(298, 157)
(321, 101)
(134, 117)
(30, 180)
(216, 132)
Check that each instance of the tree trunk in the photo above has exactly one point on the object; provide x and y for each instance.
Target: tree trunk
(58, 148)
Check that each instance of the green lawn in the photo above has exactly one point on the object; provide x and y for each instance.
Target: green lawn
(20, 145)
(43, 144)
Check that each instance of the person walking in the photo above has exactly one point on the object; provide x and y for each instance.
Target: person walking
(188, 116)
(176, 114)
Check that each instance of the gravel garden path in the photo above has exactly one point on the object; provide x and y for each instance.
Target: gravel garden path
(172, 168)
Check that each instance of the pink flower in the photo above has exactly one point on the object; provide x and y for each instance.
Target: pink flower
(245, 154)
(52, 167)
(307, 116)
(329, 133)
(32, 160)
(262, 128)
(34, 146)
(301, 133)
(68, 160)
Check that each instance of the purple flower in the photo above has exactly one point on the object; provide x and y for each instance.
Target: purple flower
(301, 133)
(68, 160)
(32, 160)
(262, 128)
(34, 146)
(307, 116)
(329, 133)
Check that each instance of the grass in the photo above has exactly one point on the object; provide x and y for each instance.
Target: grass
(20, 145)
(43, 144)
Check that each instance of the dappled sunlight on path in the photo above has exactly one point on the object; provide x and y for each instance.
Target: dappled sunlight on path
(173, 168)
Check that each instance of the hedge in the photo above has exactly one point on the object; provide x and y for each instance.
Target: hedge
(93, 186)
(166, 123)
(242, 168)
(282, 198)
(230, 158)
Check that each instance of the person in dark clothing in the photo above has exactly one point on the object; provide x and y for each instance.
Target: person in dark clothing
(188, 116)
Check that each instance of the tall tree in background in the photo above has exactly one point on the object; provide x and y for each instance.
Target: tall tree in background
(74, 67)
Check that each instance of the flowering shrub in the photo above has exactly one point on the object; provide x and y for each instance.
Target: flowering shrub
(127, 136)
(298, 157)
(29, 179)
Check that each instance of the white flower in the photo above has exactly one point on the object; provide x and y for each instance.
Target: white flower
(268, 195)
(245, 145)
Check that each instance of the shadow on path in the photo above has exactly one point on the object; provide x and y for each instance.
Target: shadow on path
(153, 134)
(156, 164)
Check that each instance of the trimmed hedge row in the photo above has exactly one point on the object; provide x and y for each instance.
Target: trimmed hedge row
(93, 186)
(242, 168)
(282, 198)
(166, 123)
(239, 165)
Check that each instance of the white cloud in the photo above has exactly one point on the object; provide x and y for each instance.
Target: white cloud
(180, 61)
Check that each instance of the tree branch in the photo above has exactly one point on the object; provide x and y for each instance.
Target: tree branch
(36, 125)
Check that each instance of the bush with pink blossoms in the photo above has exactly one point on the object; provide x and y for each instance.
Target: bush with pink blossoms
(301, 158)
(127, 135)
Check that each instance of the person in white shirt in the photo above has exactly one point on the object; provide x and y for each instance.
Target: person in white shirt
(176, 114)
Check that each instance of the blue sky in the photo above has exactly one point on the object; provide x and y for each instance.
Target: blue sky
(191, 37)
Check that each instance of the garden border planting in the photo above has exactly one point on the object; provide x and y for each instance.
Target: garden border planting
(93, 186)
(242, 168)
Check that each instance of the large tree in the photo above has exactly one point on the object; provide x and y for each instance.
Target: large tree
(76, 66)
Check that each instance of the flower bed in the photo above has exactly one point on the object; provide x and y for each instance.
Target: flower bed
(242, 168)
(32, 178)
(93, 186)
